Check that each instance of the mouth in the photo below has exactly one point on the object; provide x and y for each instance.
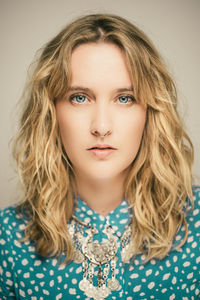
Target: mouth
(102, 147)
(102, 151)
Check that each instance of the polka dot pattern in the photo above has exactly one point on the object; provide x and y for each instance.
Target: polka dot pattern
(26, 275)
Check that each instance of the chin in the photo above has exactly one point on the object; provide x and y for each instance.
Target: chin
(105, 175)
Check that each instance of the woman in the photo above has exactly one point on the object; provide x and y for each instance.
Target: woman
(106, 169)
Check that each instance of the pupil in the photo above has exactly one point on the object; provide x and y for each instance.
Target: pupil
(80, 98)
(124, 99)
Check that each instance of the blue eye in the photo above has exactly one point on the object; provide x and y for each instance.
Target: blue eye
(78, 98)
(125, 99)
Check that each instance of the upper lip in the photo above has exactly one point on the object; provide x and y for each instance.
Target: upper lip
(102, 146)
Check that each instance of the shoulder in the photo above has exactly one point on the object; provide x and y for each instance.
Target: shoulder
(12, 224)
(8, 217)
(8, 213)
(193, 215)
(192, 212)
(12, 213)
(193, 219)
(196, 192)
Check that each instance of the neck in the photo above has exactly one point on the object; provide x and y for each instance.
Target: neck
(102, 196)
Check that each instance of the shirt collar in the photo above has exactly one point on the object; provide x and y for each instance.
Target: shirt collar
(119, 218)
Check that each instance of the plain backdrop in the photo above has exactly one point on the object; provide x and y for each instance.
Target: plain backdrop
(26, 25)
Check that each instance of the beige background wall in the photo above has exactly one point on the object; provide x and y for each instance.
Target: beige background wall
(26, 25)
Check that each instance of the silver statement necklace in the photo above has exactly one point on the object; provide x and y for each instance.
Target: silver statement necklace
(93, 254)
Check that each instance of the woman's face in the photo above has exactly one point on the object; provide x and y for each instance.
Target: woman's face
(99, 110)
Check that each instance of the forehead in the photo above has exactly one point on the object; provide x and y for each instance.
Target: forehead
(97, 63)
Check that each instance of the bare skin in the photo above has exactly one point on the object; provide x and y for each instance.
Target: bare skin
(100, 108)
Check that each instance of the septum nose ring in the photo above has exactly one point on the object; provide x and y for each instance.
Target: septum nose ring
(101, 135)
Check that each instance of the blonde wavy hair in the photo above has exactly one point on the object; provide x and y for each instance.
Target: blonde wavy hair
(160, 177)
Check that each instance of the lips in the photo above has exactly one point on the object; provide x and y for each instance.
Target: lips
(101, 147)
(102, 151)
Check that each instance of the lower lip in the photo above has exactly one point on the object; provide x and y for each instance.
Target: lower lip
(102, 153)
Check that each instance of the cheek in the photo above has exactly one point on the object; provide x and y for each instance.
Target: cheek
(133, 135)
(65, 124)
(68, 132)
(71, 130)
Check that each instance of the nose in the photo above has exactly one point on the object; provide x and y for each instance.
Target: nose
(101, 121)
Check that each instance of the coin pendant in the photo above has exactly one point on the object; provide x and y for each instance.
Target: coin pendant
(103, 292)
(78, 257)
(90, 291)
(98, 297)
(113, 284)
(83, 284)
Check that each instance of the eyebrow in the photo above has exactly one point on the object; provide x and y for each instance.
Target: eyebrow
(119, 90)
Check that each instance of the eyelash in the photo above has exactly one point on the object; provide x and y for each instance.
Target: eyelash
(78, 95)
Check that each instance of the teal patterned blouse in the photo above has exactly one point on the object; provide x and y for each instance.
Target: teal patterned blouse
(26, 275)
